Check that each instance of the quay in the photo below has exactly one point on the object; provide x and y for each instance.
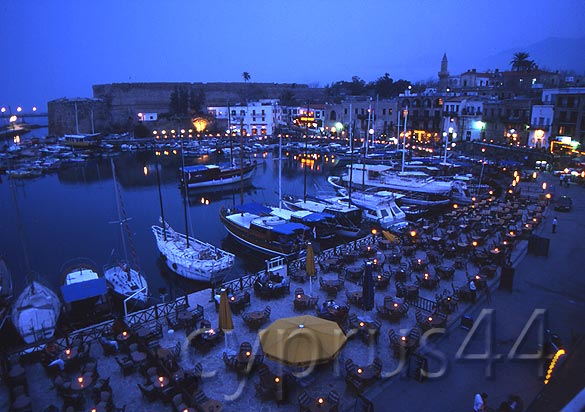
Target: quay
(427, 272)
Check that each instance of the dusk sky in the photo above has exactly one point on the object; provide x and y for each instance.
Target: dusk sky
(60, 48)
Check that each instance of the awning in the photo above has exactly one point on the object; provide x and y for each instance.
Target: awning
(317, 217)
(84, 290)
(289, 228)
(254, 208)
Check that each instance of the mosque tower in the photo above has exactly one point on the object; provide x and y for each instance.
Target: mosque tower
(444, 74)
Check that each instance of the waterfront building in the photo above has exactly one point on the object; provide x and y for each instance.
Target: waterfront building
(256, 118)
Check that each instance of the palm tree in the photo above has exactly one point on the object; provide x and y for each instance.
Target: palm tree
(246, 76)
(521, 63)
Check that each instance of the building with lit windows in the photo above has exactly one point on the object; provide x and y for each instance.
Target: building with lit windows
(540, 125)
(257, 118)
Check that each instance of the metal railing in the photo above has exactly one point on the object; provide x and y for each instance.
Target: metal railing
(423, 304)
(94, 332)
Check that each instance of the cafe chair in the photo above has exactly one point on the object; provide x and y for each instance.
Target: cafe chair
(126, 364)
(422, 321)
(304, 402)
(178, 403)
(199, 398)
(333, 398)
(148, 392)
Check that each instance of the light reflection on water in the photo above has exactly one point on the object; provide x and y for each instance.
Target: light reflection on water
(71, 214)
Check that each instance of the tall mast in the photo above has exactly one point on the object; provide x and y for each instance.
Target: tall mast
(351, 127)
(230, 133)
(306, 148)
(185, 188)
(280, 171)
(160, 199)
(120, 220)
(404, 137)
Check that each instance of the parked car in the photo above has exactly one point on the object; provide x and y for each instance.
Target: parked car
(564, 203)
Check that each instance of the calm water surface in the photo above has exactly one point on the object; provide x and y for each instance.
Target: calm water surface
(49, 221)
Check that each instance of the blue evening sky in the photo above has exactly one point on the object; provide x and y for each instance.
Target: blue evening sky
(59, 48)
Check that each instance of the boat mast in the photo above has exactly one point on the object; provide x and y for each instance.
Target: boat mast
(306, 148)
(280, 171)
(230, 132)
(351, 127)
(120, 220)
(241, 161)
(160, 199)
(185, 187)
(404, 137)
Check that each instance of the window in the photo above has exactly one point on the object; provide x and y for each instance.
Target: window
(345, 111)
(263, 119)
(383, 112)
(333, 115)
(254, 112)
(263, 113)
(233, 112)
(356, 111)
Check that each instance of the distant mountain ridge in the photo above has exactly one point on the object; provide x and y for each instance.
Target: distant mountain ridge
(553, 53)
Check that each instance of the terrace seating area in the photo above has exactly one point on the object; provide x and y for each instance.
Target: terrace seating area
(169, 362)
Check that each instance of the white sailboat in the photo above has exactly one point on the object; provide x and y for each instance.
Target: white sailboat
(125, 280)
(186, 256)
(190, 257)
(35, 312)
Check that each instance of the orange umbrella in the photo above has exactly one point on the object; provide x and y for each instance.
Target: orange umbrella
(225, 314)
(310, 265)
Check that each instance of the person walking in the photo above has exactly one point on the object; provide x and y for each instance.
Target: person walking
(554, 225)
(479, 402)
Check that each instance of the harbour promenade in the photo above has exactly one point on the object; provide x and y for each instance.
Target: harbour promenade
(554, 284)
(540, 282)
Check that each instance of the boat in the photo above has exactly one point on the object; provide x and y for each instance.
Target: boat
(213, 175)
(379, 208)
(322, 225)
(347, 218)
(254, 225)
(190, 257)
(85, 293)
(126, 281)
(418, 188)
(35, 312)
(5, 292)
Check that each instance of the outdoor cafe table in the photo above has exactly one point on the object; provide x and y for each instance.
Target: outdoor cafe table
(138, 356)
(73, 352)
(21, 403)
(255, 315)
(16, 372)
(211, 405)
(331, 283)
(160, 383)
(364, 373)
(184, 316)
(355, 296)
(78, 386)
(331, 263)
(354, 272)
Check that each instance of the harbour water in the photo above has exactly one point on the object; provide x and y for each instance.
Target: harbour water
(48, 221)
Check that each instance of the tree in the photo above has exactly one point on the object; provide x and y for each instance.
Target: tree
(246, 76)
(196, 101)
(179, 104)
(521, 62)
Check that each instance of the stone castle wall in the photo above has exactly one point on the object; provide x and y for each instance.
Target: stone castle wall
(116, 106)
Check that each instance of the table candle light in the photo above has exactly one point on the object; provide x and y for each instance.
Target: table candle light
(362, 324)
(359, 370)
(430, 319)
(67, 351)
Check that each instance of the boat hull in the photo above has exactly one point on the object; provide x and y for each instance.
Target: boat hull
(245, 237)
(200, 261)
(35, 313)
(133, 286)
(225, 177)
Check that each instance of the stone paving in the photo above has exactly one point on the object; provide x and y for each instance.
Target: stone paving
(239, 395)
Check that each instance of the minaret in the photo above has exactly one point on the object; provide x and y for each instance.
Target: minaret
(444, 74)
